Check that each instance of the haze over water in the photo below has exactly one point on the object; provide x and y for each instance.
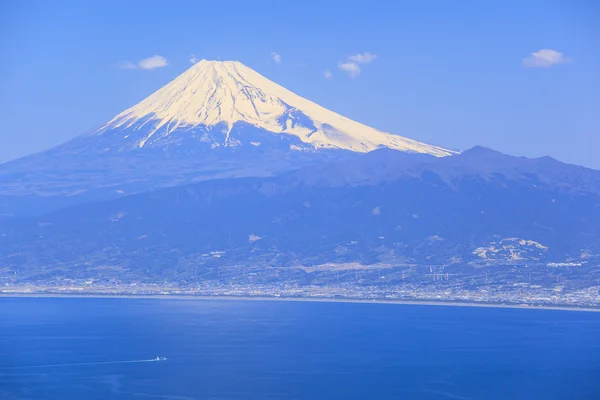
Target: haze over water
(292, 350)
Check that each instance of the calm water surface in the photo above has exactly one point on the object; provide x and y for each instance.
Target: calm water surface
(292, 350)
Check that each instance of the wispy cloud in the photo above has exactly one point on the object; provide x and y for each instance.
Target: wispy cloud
(153, 62)
(364, 58)
(126, 65)
(276, 58)
(194, 59)
(545, 58)
(351, 68)
(352, 64)
(327, 74)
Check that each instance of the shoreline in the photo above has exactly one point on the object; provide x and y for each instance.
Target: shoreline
(299, 299)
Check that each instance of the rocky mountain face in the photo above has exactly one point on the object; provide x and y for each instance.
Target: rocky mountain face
(479, 207)
(216, 120)
(226, 176)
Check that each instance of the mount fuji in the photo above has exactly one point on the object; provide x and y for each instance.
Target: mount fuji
(218, 119)
(224, 169)
(227, 94)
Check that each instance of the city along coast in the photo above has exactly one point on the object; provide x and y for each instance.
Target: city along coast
(303, 294)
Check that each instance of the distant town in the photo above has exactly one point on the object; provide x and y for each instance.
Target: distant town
(569, 284)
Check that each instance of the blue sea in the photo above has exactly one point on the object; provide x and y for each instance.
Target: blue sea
(86, 348)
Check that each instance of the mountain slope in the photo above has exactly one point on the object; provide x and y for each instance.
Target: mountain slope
(216, 120)
(411, 209)
(213, 93)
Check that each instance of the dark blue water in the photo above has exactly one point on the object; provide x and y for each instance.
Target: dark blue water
(293, 350)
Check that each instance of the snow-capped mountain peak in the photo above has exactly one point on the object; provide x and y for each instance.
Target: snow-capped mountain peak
(225, 93)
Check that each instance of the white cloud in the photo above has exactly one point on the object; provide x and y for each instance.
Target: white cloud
(153, 62)
(351, 68)
(147, 63)
(352, 64)
(276, 57)
(194, 59)
(544, 58)
(327, 74)
(364, 58)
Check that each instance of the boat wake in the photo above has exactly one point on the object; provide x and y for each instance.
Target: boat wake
(157, 359)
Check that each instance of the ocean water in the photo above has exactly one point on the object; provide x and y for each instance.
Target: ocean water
(64, 348)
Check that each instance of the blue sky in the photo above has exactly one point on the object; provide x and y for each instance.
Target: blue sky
(456, 74)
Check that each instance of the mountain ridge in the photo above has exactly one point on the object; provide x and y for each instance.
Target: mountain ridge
(413, 215)
(213, 93)
(216, 120)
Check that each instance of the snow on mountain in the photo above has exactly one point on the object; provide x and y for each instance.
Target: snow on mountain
(225, 94)
(217, 120)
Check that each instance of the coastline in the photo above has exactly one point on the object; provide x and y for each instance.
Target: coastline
(298, 299)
